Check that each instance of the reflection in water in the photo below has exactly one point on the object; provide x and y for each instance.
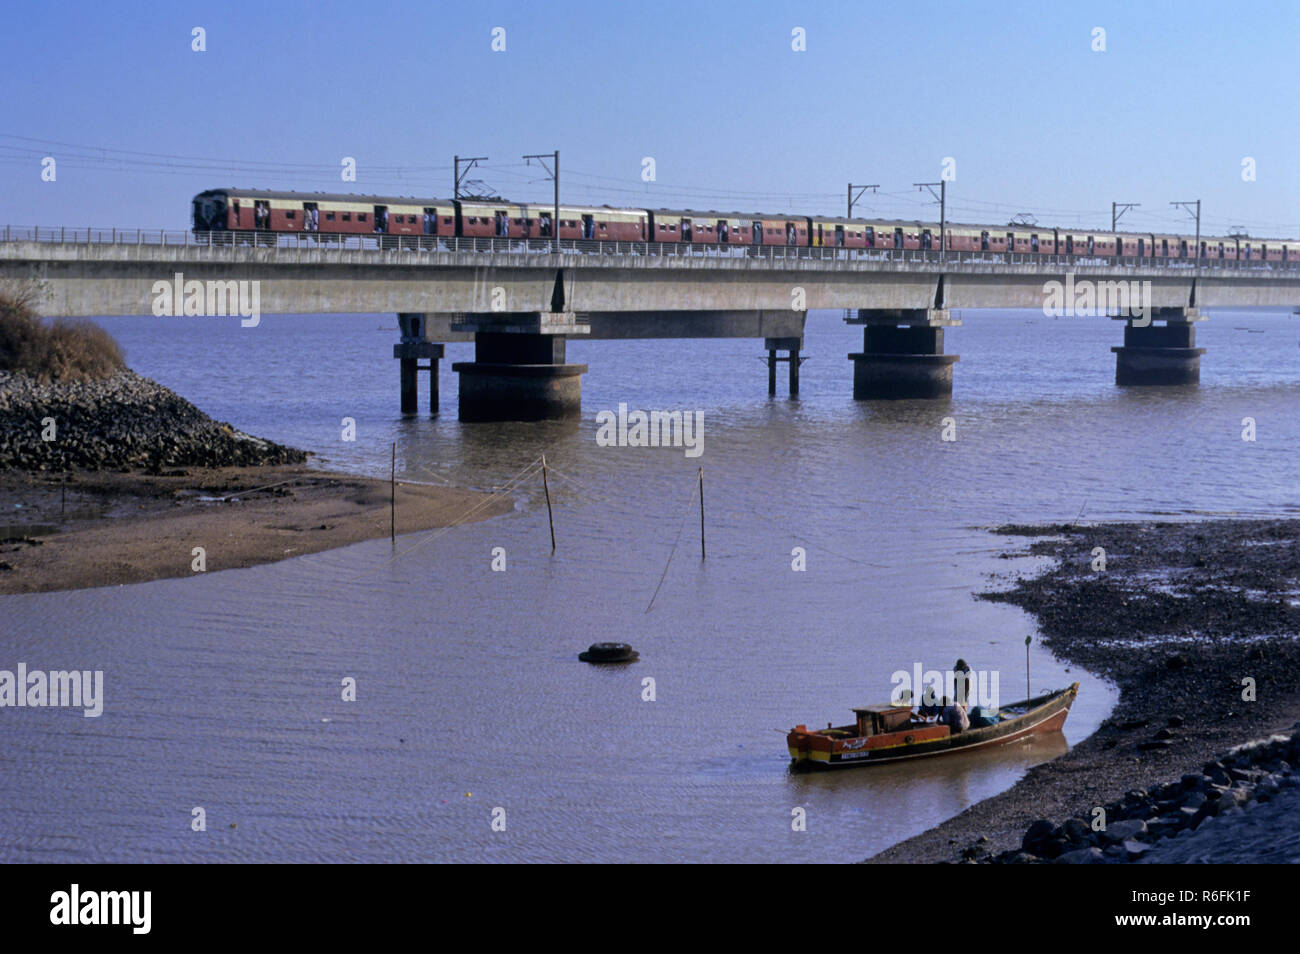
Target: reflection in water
(223, 690)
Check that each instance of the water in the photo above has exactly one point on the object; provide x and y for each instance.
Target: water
(223, 691)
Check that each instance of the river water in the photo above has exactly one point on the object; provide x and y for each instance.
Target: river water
(223, 692)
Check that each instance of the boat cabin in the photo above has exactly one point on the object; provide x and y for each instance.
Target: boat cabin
(877, 720)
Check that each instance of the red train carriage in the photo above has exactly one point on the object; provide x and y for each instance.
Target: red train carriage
(838, 233)
(693, 227)
(497, 218)
(268, 211)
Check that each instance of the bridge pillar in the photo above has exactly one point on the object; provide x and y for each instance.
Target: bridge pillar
(519, 372)
(409, 351)
(791, 346)
(902, 354)
(1160, 354)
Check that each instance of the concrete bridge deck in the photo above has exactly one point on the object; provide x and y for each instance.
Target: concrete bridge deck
(492, 289)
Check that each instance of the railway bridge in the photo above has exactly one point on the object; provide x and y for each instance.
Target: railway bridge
(521, 300)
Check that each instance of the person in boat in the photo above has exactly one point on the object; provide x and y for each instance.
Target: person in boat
(954, 716)
(963, 683)
(930, 707)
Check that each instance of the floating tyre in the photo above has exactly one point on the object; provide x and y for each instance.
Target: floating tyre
(609, 653)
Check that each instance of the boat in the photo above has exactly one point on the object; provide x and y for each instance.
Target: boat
(889, 733)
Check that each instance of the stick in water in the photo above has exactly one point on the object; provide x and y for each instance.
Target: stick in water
(392, 498)
(1028, 693)
(701, 513)
(550, 517)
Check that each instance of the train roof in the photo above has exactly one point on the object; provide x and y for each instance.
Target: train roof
(329, 196)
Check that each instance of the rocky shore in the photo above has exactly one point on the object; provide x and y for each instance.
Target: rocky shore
(123, 421)
(1158, 825)
(1197, 624)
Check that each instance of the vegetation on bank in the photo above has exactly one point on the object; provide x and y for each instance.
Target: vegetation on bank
(63, 350)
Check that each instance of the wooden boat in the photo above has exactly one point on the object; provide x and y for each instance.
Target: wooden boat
(892, 733)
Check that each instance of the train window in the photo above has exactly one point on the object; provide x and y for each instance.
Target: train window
(289, 214)
(347, 216)
(361, 216)
(329, 216)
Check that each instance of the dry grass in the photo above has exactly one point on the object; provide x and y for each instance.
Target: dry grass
(62, 350)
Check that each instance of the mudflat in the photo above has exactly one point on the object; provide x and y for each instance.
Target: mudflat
(103, 528)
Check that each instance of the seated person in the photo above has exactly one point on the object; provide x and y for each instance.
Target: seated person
(982, 716)
(955, 717)
(929, 708)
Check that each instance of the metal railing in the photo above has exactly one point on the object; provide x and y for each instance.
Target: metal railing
(427, 244)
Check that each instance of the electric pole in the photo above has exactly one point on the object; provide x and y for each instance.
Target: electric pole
(943, 201)
(1187, 207)
(470, 163)
(554, 171)
(1117, 210)
(854, 198)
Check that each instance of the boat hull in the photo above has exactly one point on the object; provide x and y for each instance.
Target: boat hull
(815, 750)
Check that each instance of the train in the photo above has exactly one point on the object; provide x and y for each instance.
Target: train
(264, 211)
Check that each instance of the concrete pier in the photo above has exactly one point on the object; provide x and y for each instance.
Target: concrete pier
(519, 371)
(791, 347)
(902, 354)
(1160, 354)
(409, 352)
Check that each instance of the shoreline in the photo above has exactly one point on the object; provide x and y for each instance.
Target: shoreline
(118, 528)
(1181, 614)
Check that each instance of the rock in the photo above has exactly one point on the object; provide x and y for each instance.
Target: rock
(1175, 722)
(1123, 830)
(1164, 734)
(1081, 856)
(1076, 832)
(1176, 661)
(1155, 744)
(1194, 782)
(1037, 835)
(1217, 773)
(1134, 849)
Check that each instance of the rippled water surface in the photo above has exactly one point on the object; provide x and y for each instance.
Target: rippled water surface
(223, 691)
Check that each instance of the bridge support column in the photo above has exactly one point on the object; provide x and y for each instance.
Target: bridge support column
(409, 352)
(519, 372)
(902, 354)
(791, 346)
(1160, 354)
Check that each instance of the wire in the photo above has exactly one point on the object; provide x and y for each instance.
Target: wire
(686, 513)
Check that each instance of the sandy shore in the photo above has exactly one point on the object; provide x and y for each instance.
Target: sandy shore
(1181, 615)
(105, 528)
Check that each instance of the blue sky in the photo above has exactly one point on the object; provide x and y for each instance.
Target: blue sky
(733, 117)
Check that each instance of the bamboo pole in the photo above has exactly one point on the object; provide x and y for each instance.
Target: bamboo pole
(1028, 693)
(550, 517)
(701, 513)
(392, 498)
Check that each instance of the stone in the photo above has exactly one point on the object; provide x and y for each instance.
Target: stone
(1133, 849)
(1076, 832)
(1123, 830)
(1037, 835)
(1081, 856)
